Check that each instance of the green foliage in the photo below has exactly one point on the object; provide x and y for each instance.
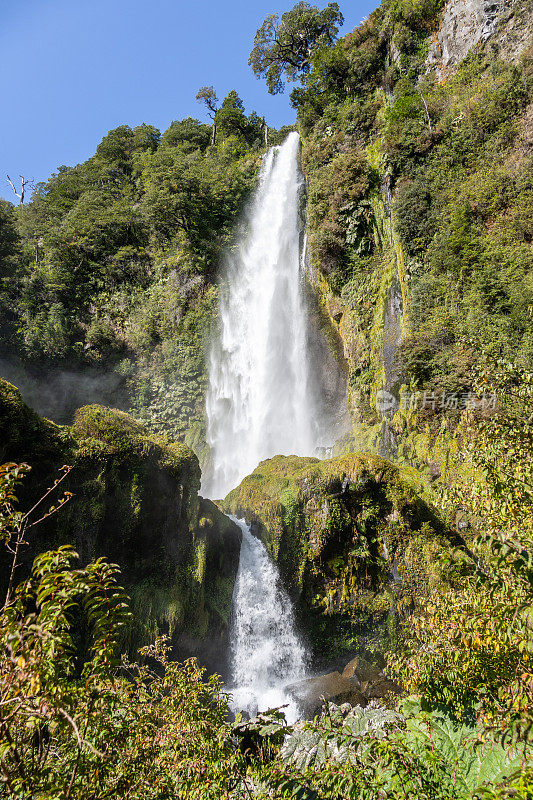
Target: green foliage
(159, 729)
(75, 720)
(368, 753)
(337, 735)
(286, 47)
(188, 134)
(473, 647)
(338, 216)
(81, 728)
(90, 229)
(208, 96)
(414, 12)
(339, 87)
(9, 242)
(112, 265)
(413, 217)
(231, 121)
(134, 499)
(443, 215)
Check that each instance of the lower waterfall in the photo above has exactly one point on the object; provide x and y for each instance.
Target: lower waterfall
(266, 653)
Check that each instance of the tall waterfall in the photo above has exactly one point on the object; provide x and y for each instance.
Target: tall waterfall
(266, 652)
(260, 397)
(264, 399)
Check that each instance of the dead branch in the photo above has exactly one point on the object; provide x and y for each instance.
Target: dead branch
(23, 183)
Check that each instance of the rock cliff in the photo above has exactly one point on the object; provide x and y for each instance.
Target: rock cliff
(355, 544)
(135, 501)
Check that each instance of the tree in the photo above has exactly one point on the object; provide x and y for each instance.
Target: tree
(8, 239)
(208, 96)
(23, 183)
(113, 156)
(286, 47)
(230, 118)
(188, 134)
(146, 138)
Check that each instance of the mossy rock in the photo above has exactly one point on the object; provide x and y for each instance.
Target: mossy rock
(25, 433)
(135, 501)
(355, 543)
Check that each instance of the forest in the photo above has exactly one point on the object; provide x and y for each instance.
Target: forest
(406, 549)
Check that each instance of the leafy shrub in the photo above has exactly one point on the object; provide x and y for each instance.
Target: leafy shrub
(473, 647)
(413, 217)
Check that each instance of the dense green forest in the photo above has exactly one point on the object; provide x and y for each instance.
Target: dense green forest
(419, 189)
(109, 272)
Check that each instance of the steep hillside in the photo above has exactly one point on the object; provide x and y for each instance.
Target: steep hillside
(108, 276)
(418, 152)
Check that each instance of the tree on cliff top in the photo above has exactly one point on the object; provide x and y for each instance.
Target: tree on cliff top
(208, 96)
(286, 47)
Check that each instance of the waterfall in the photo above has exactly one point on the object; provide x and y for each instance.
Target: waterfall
(260, 400)
(274, 388)
(266, 653)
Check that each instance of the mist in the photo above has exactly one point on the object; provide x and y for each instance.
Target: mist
(56, 394)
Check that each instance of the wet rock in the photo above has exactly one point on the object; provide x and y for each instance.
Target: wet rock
(381, 687)
(372, 682)
(310, 693)
(341, 566)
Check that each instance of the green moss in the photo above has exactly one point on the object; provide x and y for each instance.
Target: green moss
(107, 425)
(339, 529)
(22, 431)
(219, 597)
(200, 560)
(135, 501)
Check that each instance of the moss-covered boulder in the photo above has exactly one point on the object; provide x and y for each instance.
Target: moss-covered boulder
(354, 542)
(135, 500)
(24, 433)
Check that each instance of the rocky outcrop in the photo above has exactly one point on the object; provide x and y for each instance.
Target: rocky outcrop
(311, 693)
(359, 683)
(135, 501)
(465, 23)
(515, 30)
(355, 543)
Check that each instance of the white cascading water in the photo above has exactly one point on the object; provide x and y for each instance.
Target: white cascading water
(260, 403)
(260, 399)
(266, 652)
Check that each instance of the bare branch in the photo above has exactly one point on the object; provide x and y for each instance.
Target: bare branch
(24, 524)
(13, 187)
(23, 183)
(80, 741)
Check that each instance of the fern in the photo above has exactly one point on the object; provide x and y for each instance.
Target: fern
(414, 754)
(471, 763)
(337, 736)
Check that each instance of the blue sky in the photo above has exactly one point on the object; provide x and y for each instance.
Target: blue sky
(74, 69)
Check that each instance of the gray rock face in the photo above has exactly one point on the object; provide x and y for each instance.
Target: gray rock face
(464, 24)
(515, 29)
